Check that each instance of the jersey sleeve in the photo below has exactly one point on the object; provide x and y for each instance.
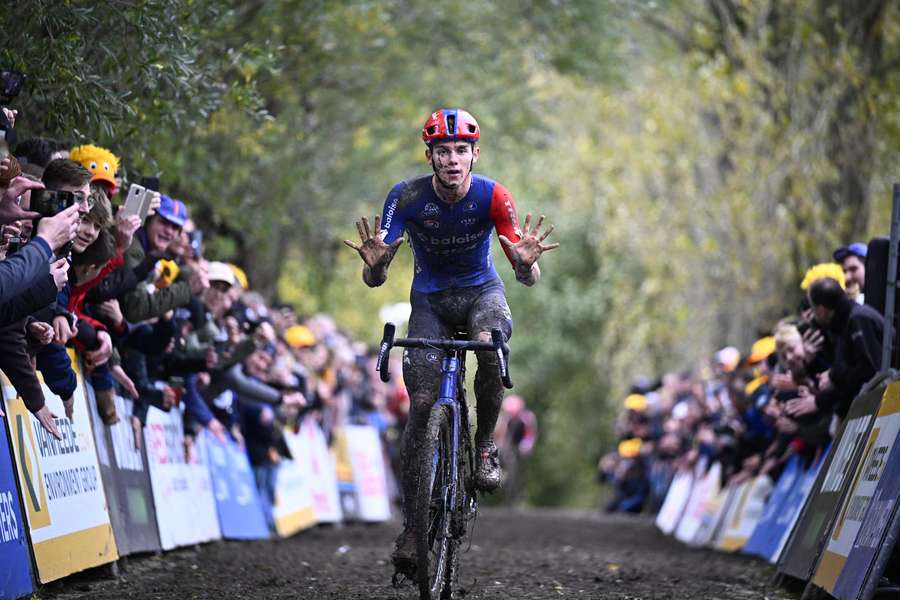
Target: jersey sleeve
(504, 217)
(392, 221)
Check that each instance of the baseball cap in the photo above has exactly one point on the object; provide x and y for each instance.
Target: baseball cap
(173, 211)
(219, 271)
(299, 336)
(636, 402)
(856, 249)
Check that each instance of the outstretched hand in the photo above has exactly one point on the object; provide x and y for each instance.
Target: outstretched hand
(529, 248)
(372, 248)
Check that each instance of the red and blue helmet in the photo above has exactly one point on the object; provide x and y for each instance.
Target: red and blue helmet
(450, 124)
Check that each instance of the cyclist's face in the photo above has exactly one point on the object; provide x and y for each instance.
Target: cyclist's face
(452, 161)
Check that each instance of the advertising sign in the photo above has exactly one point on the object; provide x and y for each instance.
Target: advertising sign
(766, 535)
(862, 488)
(240, 511)
(15, 558)
(180, 480)
(748, 510)
(126, 479)
(344, 470)
(293, 510)
(309, 449)
(61, 488)
(793, 506)
(676, 499)
(706, 487)
(870, 541)
(813, 526)
(367, 462)
(714, 516)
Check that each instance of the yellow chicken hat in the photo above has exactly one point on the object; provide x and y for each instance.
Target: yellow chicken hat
(102, 164)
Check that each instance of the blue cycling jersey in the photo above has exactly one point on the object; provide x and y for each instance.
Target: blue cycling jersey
(451, 243)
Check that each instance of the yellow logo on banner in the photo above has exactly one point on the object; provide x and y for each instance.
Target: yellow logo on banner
(28, 461)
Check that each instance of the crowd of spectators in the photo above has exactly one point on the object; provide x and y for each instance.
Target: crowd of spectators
(784, 396)
(154, 319)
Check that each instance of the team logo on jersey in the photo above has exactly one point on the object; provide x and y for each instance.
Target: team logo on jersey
(469, 206)
(432, 224)
(470, 221)
(431, 209)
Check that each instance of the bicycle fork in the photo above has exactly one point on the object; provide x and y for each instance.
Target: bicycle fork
(450, 369)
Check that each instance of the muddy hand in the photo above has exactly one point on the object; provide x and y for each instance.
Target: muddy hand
(372, 248)
(530, 246)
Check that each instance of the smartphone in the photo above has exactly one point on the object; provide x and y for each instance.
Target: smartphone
(51, 202)
(137, 202)
(151, 183)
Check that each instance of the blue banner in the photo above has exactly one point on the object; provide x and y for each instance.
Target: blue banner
(880, 512)
(15, 558)
(768, 532)
(237, 499)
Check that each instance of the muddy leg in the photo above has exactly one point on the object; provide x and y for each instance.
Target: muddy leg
(423, 381)
(490, 311)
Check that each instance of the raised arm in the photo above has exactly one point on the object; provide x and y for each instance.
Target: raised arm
(376, 254)
(523, 248)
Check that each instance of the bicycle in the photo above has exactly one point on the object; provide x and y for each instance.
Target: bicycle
(446, 499)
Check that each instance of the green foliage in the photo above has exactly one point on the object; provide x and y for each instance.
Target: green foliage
(695, 157)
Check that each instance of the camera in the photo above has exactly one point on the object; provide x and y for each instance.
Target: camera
(11, 83)
(49, 203)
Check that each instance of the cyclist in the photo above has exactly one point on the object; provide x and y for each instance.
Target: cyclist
(448, 216)
(516, 435)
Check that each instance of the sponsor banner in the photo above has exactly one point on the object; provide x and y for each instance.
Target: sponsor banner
(126, 479)
(706, 486)
(857, 502)
(310, 450)
(240, 511)
(676, 499)
(15, 559)
(870, 542)
(766, 535)
(62, 492)
(180, 482)
(748, 510)
(342, 467)
(714, 516)
(793, 505)
(814, 524)
(293, 510)
(367, 462)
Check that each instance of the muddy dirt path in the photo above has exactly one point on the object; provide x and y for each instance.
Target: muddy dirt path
(526, 555)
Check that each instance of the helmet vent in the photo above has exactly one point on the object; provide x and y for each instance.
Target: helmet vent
(451, 124)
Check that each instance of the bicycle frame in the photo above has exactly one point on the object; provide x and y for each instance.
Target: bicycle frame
(450, 369)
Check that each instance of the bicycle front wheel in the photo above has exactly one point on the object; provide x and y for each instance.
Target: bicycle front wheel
(432, 513)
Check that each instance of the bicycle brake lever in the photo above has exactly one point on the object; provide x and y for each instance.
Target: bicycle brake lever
(502, 351)
(384, 352)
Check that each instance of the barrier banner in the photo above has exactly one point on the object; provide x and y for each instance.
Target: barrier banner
(748, 510)
(367, 462)
(714, 516)
(706, 486)
(310, 450)
(126, 479)
(180, 480)
(240, 511)
(675, 502)
(62, 494)
(766, 535)
(293, 510)
(15, 558)
(793, 505)
(855, 507)
(342, 467)
(813, 525)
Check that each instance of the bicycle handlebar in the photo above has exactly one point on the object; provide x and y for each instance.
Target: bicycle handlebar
(496, 345)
